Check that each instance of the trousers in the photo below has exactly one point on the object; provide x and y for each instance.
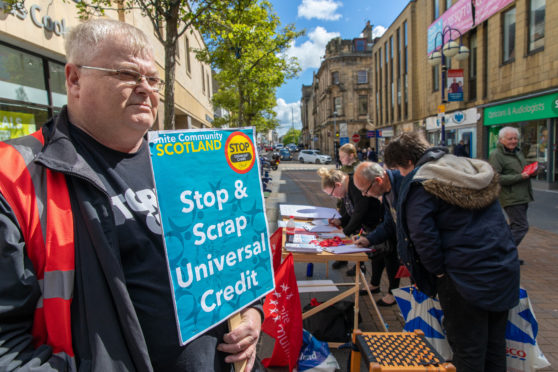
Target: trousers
(477, 337)
(519, 225)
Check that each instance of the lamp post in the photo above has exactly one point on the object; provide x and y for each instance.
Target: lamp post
(334, 132)
(449, 49)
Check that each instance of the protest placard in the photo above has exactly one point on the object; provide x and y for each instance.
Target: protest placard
(215, 230)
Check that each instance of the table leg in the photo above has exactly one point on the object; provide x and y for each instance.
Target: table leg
(357, 287)
(376, 310)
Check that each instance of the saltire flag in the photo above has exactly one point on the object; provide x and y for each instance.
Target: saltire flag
(283, 317)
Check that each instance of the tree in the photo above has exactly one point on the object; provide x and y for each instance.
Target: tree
(245, 47)
(170, 20)
(291, 136)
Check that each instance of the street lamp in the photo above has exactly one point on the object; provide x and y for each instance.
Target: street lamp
(448, 49)
(334, 132)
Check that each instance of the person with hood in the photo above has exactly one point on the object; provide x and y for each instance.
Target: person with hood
(454, 239)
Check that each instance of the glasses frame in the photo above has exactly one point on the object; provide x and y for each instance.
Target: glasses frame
(158, 82)
(333, 189)
(369, 186)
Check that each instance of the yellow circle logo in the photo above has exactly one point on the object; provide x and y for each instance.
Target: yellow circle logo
(240, 152)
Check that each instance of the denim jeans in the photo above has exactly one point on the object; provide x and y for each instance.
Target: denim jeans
(476, 336)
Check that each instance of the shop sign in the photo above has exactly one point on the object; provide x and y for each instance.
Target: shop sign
(453, 119)
(542, 107)
(387, 132)
(343, 140)
(46, 22)
(16, 124)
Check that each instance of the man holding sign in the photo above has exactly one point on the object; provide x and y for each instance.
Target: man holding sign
(83, 272)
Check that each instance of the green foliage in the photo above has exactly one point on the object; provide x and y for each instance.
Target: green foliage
(245, 47)
(291, 136)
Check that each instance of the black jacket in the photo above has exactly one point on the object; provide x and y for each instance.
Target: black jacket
(367, 212)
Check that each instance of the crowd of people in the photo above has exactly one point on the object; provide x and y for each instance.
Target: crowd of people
(443, 220)
(84, 284)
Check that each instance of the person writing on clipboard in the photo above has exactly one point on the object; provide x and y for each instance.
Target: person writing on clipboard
(357, 212)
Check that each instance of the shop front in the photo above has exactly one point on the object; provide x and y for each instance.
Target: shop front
(536, 119)
(459, 125)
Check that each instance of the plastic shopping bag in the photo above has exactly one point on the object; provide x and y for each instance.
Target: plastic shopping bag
(315, 355)
(522, 352)
(424, 313)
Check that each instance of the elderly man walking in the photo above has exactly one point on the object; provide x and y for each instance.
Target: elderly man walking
(517, 192)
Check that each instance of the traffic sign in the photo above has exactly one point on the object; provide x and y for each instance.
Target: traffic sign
(355, 138)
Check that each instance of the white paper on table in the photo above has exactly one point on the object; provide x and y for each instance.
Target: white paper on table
(303, 238)
(298, 224)
(331, 235)
(342, 249)
(305, 286)
(308, 211)
(321, 228)
(303, 248)
(320, 222)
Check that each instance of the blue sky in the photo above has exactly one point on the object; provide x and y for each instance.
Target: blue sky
(323, 20)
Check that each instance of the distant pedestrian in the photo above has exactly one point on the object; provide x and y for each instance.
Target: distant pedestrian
(453, 237)
(460, 149)
(349, 160)
(372, 155)
(517, 192)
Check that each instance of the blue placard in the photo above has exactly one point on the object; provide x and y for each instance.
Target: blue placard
(215, 230)
(343, 140)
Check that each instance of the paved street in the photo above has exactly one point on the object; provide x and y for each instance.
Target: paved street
(296, 183)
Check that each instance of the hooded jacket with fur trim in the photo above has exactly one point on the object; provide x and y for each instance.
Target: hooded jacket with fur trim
(450, 222)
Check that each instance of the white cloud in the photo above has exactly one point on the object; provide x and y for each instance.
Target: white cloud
(310, 52)
(320, 9)
(378, 31)
(287, 114)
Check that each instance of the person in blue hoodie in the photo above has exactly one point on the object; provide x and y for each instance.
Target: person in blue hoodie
(453, 237)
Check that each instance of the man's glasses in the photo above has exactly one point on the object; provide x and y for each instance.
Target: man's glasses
(131, 77)
(366, 192)
(332, 190)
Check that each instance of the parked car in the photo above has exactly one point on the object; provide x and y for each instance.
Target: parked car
(268, 147)
(313, 156)
(279, 146)
(285, 154)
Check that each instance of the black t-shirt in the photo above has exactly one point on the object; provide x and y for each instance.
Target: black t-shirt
(129, 182)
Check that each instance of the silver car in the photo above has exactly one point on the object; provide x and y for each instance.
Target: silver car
(313, 156)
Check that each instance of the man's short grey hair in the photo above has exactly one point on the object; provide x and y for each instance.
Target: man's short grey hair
(372, 170)
(83, 40)
(502, 133)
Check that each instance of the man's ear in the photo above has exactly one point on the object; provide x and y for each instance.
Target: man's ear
(72, 78)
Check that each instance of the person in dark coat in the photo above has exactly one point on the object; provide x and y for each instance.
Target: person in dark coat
(454, 239)
(358, 212)
(460, 149)
(374, 181)
(372, 155)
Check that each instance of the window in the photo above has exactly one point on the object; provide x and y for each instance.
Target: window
(187, 52)
(337, 106)
(435, 79)
(362, 77)
(22, 77)
(57, 82)
(203, 79)
(335, 78)
(508, 36)
(360, 45)
(473, 66)
(208, 86)
(399, 47)
(362, 105)
(406, 44)
(448, 4)
(436, 8)
(536, 24)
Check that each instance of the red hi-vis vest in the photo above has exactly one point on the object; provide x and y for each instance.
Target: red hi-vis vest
(40, 200)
